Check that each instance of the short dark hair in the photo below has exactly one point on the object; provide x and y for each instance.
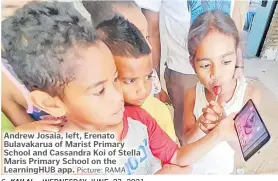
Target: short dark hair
(36, 39)
(123, 38)
(104, 10)
(207, 22)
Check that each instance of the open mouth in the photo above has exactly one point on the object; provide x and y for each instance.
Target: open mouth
(217, 89)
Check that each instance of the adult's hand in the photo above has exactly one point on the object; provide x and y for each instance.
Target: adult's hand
(163, 97)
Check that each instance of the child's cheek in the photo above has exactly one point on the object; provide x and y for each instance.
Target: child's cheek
(201, 73)
(229, 72)
(149, 87)
(204, 76)
(126, 90)
(123, 87)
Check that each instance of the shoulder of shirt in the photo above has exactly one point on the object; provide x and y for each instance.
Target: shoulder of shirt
(154, 103)
(152, 5)
(138, 114)
(135, 112)
(252, 92)
(158, 110)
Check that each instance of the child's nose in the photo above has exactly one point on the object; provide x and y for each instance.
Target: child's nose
(141, 88)
(215, 72)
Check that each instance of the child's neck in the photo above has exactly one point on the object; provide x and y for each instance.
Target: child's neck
(226, 96)
(74, 126)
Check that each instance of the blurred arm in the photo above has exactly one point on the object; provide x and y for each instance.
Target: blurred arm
(154, 37)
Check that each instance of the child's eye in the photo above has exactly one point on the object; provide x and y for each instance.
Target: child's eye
(100, 92)
(129, 81)
(227, 62)
(205, 66)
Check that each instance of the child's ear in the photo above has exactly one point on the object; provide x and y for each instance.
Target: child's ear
(51, 105)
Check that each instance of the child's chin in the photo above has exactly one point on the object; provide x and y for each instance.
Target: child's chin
(118, 121)
(139, 102)
(118, 117)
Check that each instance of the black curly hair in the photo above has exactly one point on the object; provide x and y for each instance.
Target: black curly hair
(36, 40)
(123, 38)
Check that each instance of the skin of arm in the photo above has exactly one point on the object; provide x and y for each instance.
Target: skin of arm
(13, 103)
(154, 37)
(236, 16)
(187, 155)
(203, 145)
(191, 153)
(190, 123)
(154, 40)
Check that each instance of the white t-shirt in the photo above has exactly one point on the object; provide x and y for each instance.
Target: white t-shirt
(220, 159)
(174, 27)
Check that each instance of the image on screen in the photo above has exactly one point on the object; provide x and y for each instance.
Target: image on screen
(250, 128)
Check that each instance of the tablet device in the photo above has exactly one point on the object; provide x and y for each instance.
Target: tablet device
(251, 130)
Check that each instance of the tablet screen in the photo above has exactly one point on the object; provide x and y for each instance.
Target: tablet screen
(251, 130)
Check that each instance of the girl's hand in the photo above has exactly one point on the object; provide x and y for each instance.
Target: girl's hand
(40, 126)
(212, 114)
(174, 169)
(226, 129)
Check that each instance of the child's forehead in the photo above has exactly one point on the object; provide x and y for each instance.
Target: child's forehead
(124, 59)
(140, 61)
(215, 44)
(81, 53)
(132, 67)
(90, 60)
